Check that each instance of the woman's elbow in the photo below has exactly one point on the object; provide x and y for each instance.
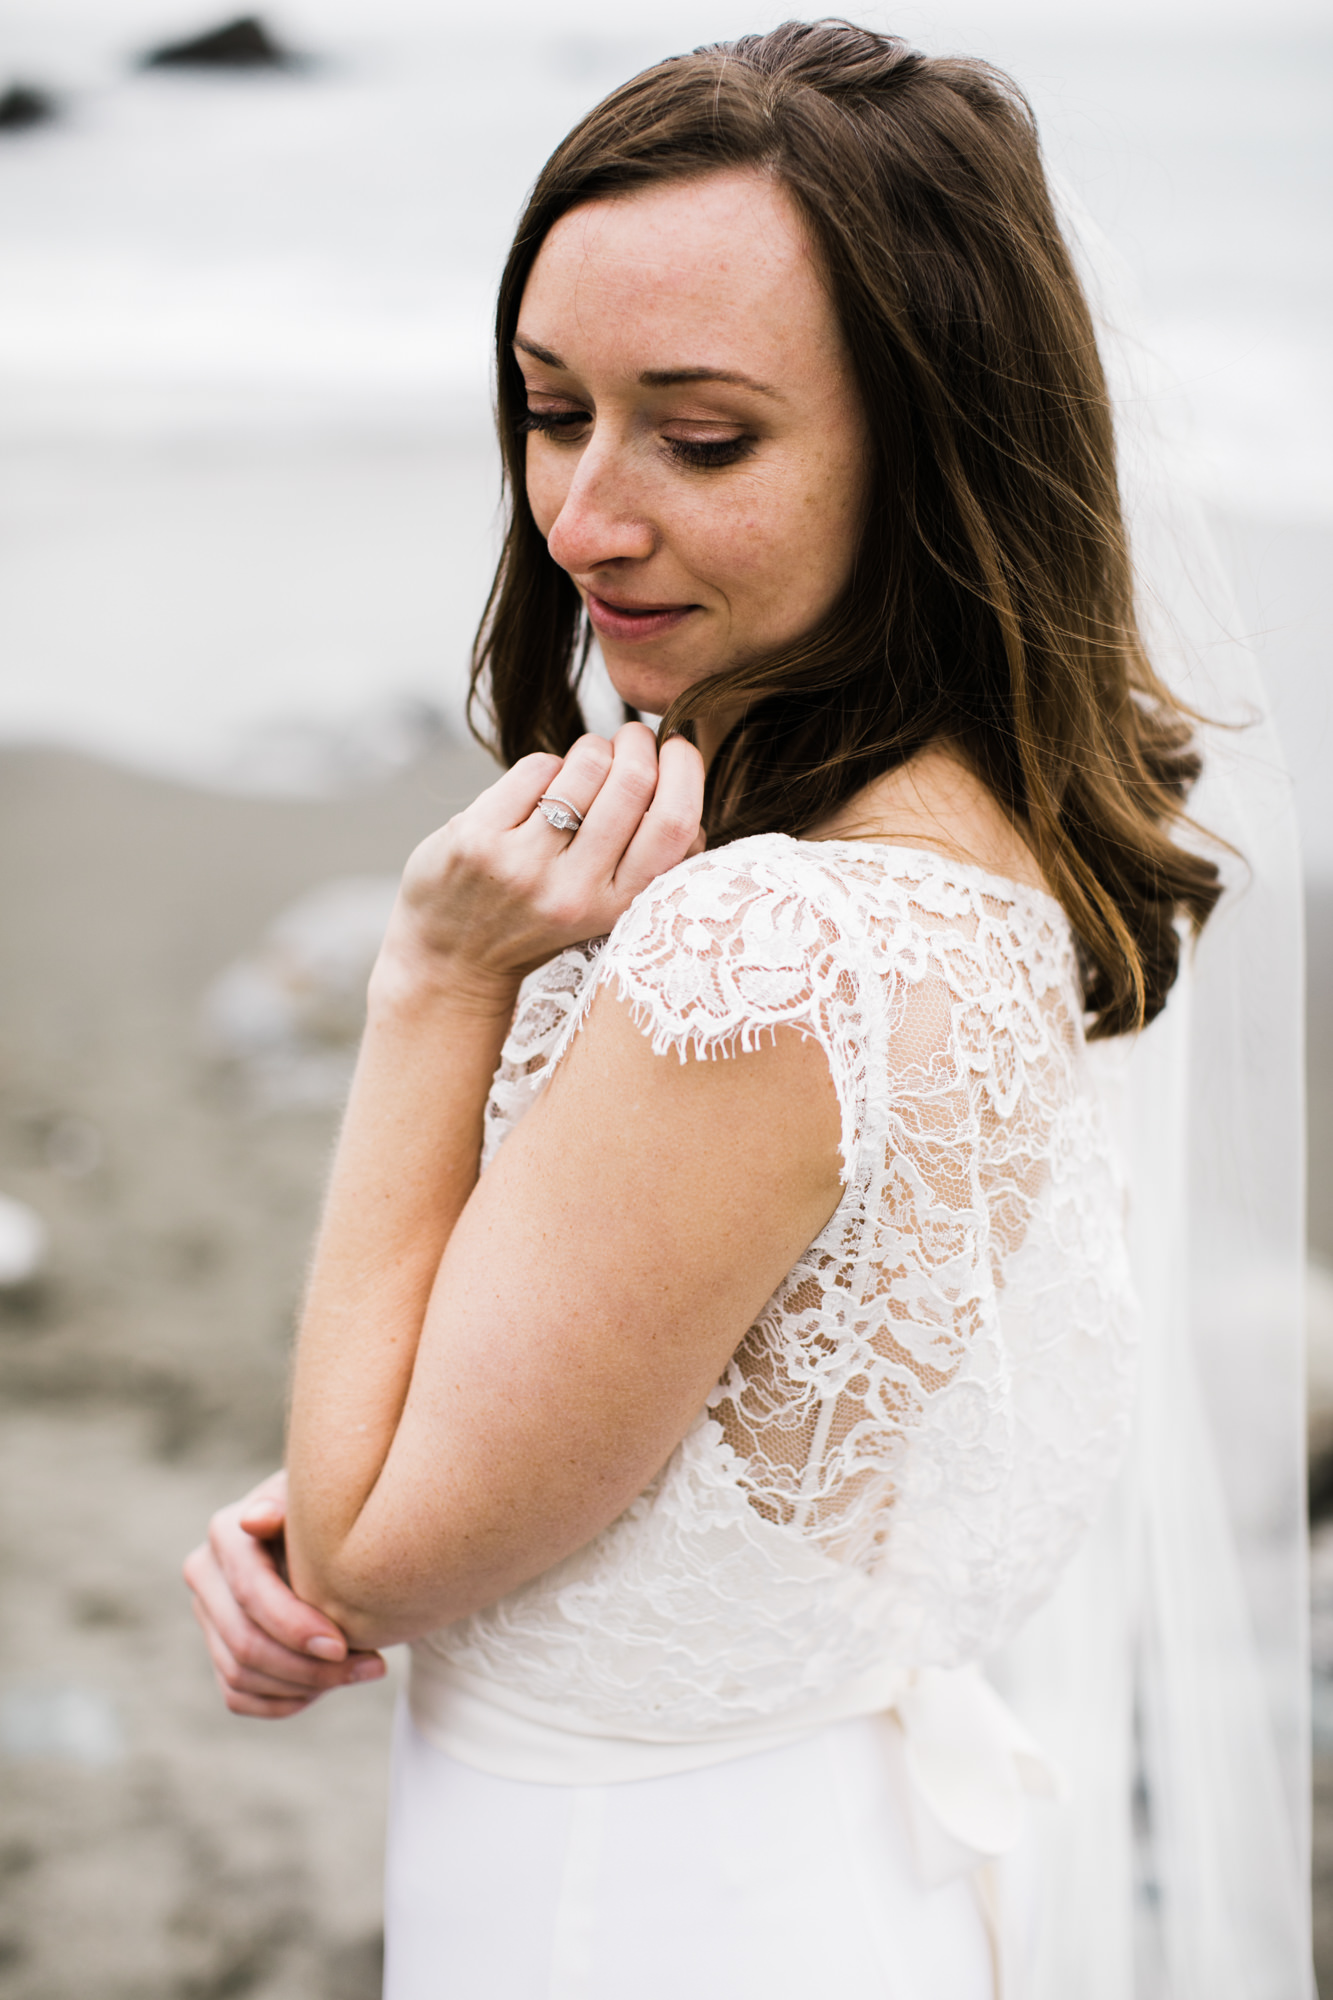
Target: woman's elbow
(377, 1605)
(365, 1611)
(368, 1628)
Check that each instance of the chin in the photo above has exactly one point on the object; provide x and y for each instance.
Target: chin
(651, 694)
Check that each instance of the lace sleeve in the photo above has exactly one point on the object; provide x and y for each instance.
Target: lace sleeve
(733, 945)
(910, 1439)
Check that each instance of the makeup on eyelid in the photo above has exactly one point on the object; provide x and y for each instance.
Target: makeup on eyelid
(699, 454)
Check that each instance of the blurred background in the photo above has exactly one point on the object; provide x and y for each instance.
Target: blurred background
(249, 509)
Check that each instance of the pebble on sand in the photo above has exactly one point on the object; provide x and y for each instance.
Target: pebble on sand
(23, 1244)
(69, 1725)
(289, 1015)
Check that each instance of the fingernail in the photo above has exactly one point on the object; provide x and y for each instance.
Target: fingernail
(326, 1649)
(368, 1670)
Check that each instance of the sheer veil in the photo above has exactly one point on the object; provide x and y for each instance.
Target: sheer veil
(1169, 1676)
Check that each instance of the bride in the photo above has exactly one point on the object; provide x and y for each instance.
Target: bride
(705, 1424)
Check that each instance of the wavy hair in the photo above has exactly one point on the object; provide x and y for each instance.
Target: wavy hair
(991, 601)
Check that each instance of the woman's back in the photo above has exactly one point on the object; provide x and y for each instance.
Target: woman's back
(912, 1437)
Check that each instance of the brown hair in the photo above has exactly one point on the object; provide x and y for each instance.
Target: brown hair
(991, 601)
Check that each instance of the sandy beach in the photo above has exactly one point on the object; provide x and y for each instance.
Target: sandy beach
(151, 1846)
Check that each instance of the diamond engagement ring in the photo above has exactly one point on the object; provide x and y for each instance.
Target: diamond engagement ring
(560, 814)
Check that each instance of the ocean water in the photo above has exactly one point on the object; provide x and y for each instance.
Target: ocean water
(247, 487)
(325, 243)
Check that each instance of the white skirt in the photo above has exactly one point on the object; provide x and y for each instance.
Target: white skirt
(783, 1875)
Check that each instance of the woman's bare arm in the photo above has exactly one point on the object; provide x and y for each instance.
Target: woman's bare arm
(491, 895)
(594, 1285)
(488, 1372)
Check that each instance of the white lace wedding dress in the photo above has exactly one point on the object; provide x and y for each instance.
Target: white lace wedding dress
(739, 1744)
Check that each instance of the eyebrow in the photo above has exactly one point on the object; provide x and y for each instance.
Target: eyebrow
(660, 378)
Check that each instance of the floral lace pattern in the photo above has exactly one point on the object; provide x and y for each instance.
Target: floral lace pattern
(909, 1443)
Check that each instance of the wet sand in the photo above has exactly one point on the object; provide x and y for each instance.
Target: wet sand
(151, 1846)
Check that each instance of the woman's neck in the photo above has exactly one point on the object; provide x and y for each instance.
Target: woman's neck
(936, 800)
(712, 731)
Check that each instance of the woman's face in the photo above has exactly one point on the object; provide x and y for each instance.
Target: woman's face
(696, 458)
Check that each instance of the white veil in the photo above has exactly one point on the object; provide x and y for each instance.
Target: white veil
(1169, 1675)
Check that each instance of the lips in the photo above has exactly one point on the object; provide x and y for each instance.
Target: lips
(631, 621)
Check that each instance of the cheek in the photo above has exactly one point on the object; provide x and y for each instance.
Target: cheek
(791, 540)
(825, 528)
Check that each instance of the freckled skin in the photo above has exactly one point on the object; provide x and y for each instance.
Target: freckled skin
(714, 273)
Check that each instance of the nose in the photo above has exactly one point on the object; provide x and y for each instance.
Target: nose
(600, 517)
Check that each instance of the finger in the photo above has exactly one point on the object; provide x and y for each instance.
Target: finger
(671, 827)
(245, 1669)
(240, 1679)
(235, 1643)
(576, 784)
(511, 799)
(264, 1519)
(249, 1643)
(251, 1575)
(614, 815)
(259, 1707)
(235, 1672)
(263, 1510)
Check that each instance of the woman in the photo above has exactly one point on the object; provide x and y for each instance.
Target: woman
(707, 1434)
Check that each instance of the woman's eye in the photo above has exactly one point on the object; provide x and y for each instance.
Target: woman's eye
(553, 423)
(568, 426)
(707, 452)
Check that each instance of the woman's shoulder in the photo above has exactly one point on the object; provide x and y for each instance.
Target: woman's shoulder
(731, 903)
(767, 861)
(828, 936)
(841, 889)
(763, 872)
(734, 942)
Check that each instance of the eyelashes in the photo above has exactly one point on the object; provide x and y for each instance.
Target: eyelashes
(702, 454)
(710, 451)
(551, 423)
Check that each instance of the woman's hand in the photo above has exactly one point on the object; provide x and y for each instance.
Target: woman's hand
(498, 890)
(272, 1654)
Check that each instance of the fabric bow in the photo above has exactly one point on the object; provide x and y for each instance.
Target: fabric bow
(971, 1763)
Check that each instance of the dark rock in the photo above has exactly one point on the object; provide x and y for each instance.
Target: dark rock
(22, 105)
(241, 44)
(1320, 1486)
